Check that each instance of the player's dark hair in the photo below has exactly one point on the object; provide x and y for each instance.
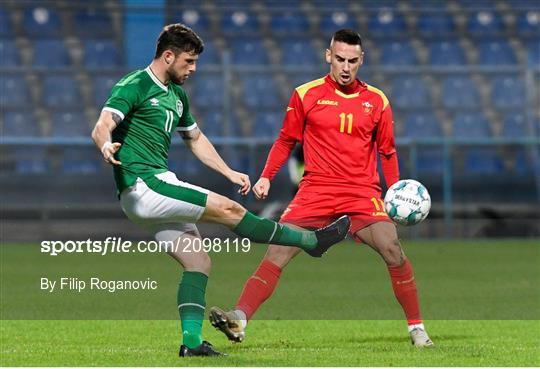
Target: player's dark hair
(347, 36)
(178, 38)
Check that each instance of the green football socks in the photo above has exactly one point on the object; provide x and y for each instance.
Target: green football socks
(191, 306)
(264, 230)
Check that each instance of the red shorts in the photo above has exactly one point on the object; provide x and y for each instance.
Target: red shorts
(317, 209)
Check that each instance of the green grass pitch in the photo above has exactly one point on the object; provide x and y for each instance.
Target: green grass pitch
(481, 301)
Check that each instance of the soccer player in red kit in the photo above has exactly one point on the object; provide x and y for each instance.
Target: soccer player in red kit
(343, 124)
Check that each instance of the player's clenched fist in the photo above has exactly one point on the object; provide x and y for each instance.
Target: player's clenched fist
(108, 150)
(261, 188)
(242, 180)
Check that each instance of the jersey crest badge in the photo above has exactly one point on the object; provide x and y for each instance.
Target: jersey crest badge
(179, 107)
(368, 107)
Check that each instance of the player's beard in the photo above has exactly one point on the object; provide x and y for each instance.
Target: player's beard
(174, 77)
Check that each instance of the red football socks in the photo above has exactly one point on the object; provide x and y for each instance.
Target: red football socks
(405, 290)
(258, 288)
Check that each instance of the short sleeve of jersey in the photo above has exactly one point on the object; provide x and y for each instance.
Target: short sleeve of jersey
(293, 124)
(125, 96)
(187, 121)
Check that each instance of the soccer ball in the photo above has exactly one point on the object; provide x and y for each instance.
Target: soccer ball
(407, 202)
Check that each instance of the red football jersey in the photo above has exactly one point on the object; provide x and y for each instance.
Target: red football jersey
(341, 130)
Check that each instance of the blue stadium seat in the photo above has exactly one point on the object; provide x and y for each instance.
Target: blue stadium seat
(528, 24)
(273, 5)
(496, 53)
(435, 24)
(410, 93)
(260, 91)
(337, 5)
(212, 123)
(429, 160)
(93, 23)
(422, 125)
(445, 53)
(288, 22)
(508, 92)
(331, 21)
(299, 52)
(10, 54)
(239, 22)
(485, 23)
(41, 21)
(102, 86)
(81, 160)
(61, 91)
(6, 29)
(471, 125)
(70, 123)
(297, 79)
(432, 6)
(15, 91)
(210, 55)
(379, 4)
(482, 161)
(267, 124)
(208, 90)
(533, 53)
(515, 125)
(101, 53)
(31, 160)
(195, 17)
(21, 123)
(50, 54)
(387, 23)
(398, 53)
(248, 51)
(477, 4)
(460, 92)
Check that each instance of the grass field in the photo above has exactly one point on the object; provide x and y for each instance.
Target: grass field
(480, 298)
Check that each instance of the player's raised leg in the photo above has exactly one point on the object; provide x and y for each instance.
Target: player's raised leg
(220, 209)
(257, 289)
(382, 237)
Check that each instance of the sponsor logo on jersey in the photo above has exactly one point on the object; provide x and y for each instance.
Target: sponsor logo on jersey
(154, 102)
(368, 107)
(327, 102)
(179, 107)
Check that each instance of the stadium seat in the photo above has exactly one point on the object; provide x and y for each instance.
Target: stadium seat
(398, 53)
(496, 53)
(101, 53)
(267, 124)
(528, 24)
(482, 161)
(295, 79)
(93, 23)
(239, 22)
(477, 4)
(334, 20)
(101, 88)
(210, 55)
(533, 53)
(460, 92)
(192, 16)
(435, 24)
(50, 54)
(515, 125)
(422, 125)
(21, 123)
(81, 160)
(208, 90)
(377, 5)
(484, 23)
(15, 91)
(41, 21)
(299, 52)
(446, 53)
(10, 54)
(471, 125)
(6, 29)
(288, 23)
(337, 5)
(70, 123)
(248, 51)
(410, 93)
(31, 160)
(429, 160)
(60, 91)
(212, 123)
(508, 92)
(260, 91)
(387, 23)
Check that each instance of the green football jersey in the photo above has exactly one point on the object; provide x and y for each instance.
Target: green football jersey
(150, 112)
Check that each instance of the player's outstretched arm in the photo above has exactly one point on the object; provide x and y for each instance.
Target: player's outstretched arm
(203, 149)
(261, 188)
(101, 134)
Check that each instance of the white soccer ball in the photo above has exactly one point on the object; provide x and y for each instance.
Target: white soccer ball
(407, 202)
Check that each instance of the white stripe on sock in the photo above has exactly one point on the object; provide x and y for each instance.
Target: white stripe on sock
(191, 304)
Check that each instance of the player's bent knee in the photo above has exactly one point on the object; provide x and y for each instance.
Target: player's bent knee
(223, 210)
(392, 253)
(200, 263)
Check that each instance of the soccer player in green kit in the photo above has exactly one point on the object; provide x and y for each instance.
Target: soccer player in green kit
(134, 132)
